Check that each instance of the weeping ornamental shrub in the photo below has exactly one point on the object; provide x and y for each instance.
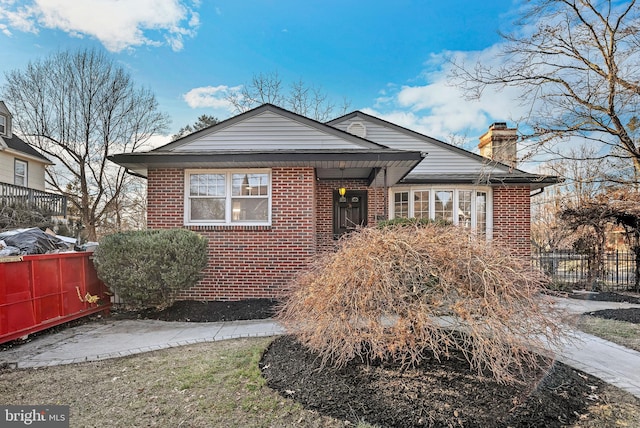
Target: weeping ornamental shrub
(400, 291)
(146, 268)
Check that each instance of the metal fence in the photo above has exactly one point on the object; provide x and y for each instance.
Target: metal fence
(577, 270)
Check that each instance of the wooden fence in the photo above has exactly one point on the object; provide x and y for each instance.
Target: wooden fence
(52, 203)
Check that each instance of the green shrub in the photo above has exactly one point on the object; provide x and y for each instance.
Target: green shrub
(399, 293)
(147, 268)
(413, 221)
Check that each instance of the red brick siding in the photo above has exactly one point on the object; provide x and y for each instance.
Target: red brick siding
(252, 261)
(512, 218)
(259, 261)
(165, 198)
(324, 208)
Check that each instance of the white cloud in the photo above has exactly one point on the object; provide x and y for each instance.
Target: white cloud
(440, 109)
(156, 141)
(210, 96)
(116, 24)
(16, 16)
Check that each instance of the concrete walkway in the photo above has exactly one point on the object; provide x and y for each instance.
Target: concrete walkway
(109, 338)
(116, 338)
(608, 361)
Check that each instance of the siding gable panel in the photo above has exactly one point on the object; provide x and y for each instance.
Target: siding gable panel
(268, 131)
(440, 159)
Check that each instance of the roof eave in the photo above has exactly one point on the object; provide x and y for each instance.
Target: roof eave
(533, 181)
(399, 162)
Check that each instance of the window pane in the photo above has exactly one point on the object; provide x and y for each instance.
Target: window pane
(250, 209)
(207, 209)
(464, 208)
(444, 205)
(20, 173)
(250, 185)
(3, 125)
(421, 204)
(481, 212)
(401, 204)
(20, 168)
(207, 184)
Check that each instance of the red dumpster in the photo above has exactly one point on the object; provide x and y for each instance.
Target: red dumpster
(41, 291)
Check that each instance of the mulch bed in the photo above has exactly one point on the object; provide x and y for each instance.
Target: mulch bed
(631, 315)
(442, 393)
(214, 311)
(605, 296)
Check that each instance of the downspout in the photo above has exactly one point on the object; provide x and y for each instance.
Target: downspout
(386, 196)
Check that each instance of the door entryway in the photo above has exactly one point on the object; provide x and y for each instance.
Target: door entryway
(349, 211)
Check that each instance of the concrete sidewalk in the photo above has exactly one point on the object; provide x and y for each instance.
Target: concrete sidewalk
(109, 338)
(608, 361)
(116, 338)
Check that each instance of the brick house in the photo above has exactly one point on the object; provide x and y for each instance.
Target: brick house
(270, 189)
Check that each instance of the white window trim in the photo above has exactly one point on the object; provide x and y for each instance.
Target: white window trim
(228, 197)
(26, 172)
(455, 189)
(4, 123)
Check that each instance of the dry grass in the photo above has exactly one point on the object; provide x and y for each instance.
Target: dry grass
(620, 409)
(206, 385)
(394, 292)
(623, 333)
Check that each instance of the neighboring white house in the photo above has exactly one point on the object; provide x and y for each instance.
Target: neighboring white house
(22, 172)
(20, 164)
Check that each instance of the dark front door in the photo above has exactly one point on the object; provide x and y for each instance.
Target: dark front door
(349, 211)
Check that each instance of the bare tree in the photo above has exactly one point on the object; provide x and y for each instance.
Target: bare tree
(300, 98)
(585, 175)
(577, 65)
(616, 207)
(547, 233)
(78, 108)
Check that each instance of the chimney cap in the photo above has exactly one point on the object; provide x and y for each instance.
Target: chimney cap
(498, 125)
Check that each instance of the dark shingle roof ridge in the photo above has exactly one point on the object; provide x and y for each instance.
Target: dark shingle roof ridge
(19, 145)
(273, 108)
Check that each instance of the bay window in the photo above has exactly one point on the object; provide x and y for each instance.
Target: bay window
(401, 207)
(421, 204)
(443, 205)
(228, 197)
(460, 206)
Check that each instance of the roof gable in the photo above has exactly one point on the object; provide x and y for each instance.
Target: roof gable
(269, 128)
(443, 158)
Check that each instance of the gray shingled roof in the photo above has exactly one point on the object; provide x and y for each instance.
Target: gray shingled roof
(17, 144)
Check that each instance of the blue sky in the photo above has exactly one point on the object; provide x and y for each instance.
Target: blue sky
(386, 57)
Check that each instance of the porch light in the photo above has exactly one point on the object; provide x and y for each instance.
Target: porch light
(342, 190)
